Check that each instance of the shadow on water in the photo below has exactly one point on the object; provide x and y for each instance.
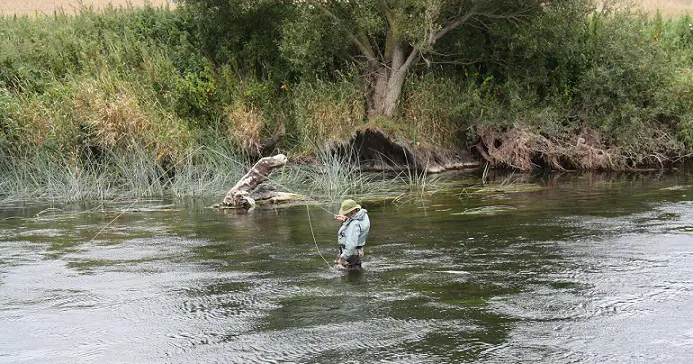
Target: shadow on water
(526, 268)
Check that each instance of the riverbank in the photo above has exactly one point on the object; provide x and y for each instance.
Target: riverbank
(149, 101)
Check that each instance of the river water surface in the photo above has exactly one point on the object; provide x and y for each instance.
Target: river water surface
(590, 269)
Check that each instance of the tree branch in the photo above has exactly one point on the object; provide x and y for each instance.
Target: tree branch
(435, 36)
(362, 44)
(457, 63)
(388, 16)
(365, 49)
(471, 13)
(413, 57)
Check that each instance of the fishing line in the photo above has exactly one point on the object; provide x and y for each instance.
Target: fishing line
(115, 218)
(310, 223)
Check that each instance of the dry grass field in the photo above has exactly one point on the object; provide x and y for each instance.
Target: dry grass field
(668, 8)
(22, 7)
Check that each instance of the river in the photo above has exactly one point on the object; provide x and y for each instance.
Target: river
(590, 269)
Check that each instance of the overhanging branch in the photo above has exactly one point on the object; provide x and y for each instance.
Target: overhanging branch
(362, 44)
(435, 36)
(413, 58)
(474, 12)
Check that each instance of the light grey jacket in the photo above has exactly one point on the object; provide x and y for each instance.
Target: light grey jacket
(353, 233)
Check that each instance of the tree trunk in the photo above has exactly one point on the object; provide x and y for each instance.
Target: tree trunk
(389, 81)
(386, 91)
(377, 92)
(239, 195)
(394, 90)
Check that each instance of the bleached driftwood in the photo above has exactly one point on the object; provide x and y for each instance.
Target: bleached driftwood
(239, 195)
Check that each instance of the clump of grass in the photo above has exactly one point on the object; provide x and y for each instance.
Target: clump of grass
(338, 175)
(114, 117)
(246, 124)
(431, 110)
(414, 177)
(415, 180)
(209, 170)
(327, 110)
(139, 174)
(332, 176)
(43, 177)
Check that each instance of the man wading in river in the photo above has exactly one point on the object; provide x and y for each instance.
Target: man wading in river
(352, 234)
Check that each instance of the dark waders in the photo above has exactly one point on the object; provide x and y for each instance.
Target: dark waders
(354, 260)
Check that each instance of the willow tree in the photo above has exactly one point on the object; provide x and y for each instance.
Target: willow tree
(389, 37)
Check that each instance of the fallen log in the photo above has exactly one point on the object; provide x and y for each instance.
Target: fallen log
(239, 197)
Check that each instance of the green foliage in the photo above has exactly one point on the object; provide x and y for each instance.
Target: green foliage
(572, 69)
(314, 44)
(158, 92)
(193, 94)
(241, 33)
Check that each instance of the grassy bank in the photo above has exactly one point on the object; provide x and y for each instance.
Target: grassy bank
(150, 101)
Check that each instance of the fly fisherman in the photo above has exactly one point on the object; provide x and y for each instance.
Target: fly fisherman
(352, 234)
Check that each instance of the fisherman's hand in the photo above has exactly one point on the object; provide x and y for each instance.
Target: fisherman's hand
(340, 217)
(342, 262)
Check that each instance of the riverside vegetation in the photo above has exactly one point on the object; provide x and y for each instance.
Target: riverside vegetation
(150, 101)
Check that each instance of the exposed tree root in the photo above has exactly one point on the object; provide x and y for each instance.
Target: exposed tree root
(375, 150)
(524, 149)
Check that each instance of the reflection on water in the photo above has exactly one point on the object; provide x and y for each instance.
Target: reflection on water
(591, 268)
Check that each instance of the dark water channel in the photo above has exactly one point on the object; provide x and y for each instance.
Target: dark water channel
(591, 269)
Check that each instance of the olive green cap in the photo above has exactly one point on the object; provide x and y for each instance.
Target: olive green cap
(348, 206)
